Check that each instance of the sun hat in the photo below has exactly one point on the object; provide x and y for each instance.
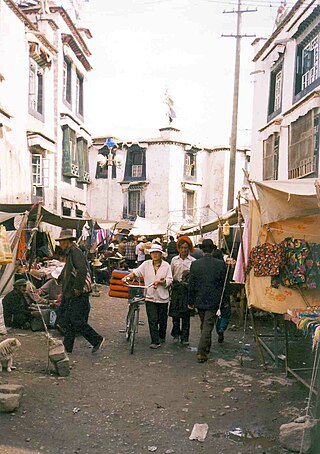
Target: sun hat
(96, 262)
(66, 234)
(20, 283)
(56, 272)
(186, 239)
(157, 248)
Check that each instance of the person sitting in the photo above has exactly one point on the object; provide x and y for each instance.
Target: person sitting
(16, 309)
(52, 289)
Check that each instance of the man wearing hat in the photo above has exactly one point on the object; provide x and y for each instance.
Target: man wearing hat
(206, 283)
(179, 311)
(76, 286)
(158, 278)
(16, 310)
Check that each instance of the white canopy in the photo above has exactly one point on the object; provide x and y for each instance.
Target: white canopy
(287, 199)
(151, 227)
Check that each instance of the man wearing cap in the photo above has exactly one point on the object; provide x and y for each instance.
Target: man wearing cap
(157, 275)
(179, 311)
(206, 283)
(140, 250)
(76, 286)
(16, 310)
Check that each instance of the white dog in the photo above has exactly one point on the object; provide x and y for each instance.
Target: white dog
(7, 348)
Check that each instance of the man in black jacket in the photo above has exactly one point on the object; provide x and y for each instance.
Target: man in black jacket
(206, 283)
(76, 286)
(16, 310)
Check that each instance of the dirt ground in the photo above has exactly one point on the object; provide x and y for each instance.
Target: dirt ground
(114, 402)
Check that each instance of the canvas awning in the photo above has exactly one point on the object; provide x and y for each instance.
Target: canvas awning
(66, 222)
(150, 227)
(210, 226)
(287, 199)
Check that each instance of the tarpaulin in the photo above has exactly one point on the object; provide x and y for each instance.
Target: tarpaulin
(151, 227)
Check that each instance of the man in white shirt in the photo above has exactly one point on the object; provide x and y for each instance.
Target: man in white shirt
(180, 267)
(156, 273)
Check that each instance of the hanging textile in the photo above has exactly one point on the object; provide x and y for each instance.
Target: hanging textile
(5, 248)
(21, 251)
(266, 259)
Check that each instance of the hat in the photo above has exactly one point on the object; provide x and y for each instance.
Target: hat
(142, 238)
(20, 283)
(157, 248)
(66, 234)
(56, 272)
(156, 241)
(186, 239)
(208, 244)
(96, 262)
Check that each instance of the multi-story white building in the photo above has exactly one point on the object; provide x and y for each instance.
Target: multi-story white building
(164, 180)
(44, 66)
(286, 106)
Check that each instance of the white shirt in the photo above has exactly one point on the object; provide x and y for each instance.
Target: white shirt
(179, 266)
(146, 270)
(140, 252)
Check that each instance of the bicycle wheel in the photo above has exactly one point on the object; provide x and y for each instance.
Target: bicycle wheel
(129, 322)
(134, 329)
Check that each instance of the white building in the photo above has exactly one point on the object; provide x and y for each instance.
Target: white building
(164, 180)
(286, 106)
(44, 141)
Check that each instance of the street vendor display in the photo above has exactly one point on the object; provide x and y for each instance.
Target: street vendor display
(284, 247)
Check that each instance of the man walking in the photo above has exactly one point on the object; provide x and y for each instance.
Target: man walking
(76, 286)
(206, 283)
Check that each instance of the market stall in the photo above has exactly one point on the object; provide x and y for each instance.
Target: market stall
(284, 254)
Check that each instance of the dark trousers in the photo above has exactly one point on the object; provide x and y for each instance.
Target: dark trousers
(157, 314)
(76, 312)
(181, 327)
(207, 319)
(131, 263)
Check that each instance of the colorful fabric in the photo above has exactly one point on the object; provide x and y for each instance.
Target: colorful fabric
(301, 265)
(266, 259)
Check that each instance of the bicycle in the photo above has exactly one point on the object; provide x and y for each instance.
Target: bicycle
(132, 321)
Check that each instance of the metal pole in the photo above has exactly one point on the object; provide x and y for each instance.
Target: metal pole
(234, 126)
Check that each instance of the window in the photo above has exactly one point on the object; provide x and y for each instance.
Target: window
(35, 88)
(102, 172)
(190, 165)
(67, 80)
(37, 176)
(307, 65)
(83, 161)
(135, 163)
(304, 146)
(134, 202)
(275, 95)
(70, 167)
(271, 157)
(79, 95)
(189, 204)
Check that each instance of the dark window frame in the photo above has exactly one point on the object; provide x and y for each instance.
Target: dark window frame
(302, 66)
(36, 90)
(273, 157)
(272, 91)
(79, 94)
(67, 81)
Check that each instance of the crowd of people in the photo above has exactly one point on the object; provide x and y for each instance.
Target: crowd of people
(181, 280)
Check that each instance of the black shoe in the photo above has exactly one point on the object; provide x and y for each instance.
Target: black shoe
(220, 338)
(98, 345)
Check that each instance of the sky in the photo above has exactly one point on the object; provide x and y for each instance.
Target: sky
(141, 48)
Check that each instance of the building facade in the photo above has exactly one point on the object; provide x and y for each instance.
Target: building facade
(164, 180)
(44, 138)
(286, 105)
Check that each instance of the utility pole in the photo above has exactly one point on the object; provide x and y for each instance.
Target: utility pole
(234, 126)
